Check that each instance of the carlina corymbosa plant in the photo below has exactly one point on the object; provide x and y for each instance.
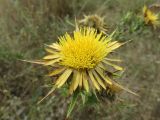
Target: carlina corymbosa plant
(150, 18)
(81, 62)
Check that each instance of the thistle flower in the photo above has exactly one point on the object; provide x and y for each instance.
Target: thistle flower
(81, 62)
(150, 18)
(94, 21)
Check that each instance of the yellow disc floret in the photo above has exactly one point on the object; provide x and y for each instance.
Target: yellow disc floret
(85, 50)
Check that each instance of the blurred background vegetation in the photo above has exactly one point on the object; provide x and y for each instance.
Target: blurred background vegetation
(26, 25)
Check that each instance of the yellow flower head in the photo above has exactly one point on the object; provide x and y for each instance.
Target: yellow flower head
(150, 17)
(94, 21)
(81, 61)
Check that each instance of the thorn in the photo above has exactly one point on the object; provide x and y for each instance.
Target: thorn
(76, 24)
(36, 61)
(52, 90)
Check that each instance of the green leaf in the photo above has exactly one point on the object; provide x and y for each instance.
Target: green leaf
(83, 98)
(72, 104)
(92, 99)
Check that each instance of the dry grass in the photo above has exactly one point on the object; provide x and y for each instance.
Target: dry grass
(25, 26)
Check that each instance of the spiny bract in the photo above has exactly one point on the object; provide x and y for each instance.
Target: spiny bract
(95, 22)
